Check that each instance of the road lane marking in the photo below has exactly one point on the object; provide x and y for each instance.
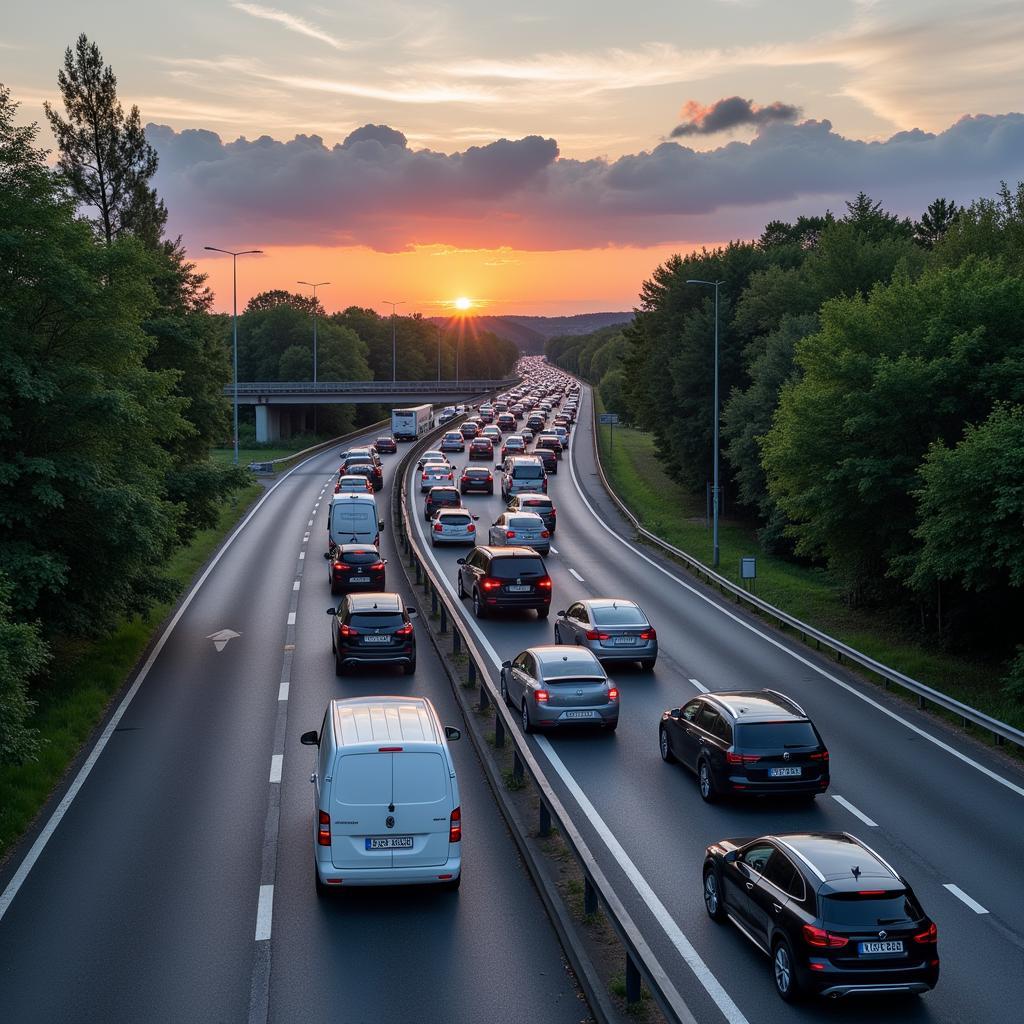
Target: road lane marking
(305, 537)
(296, 585)
(310, 523)
(282, 691)
(657, 908)
(302, 554)
(577, 576)
(700, 686)
(924, 734)
(683, 945)
(554, 550)
(963, 897)
(291, 618)
(854, 811)
(275, 767)
(264, 912)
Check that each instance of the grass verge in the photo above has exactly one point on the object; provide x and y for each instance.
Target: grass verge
(677, 516)
(84, 679)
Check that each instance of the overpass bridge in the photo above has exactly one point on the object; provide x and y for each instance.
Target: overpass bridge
(280, 405)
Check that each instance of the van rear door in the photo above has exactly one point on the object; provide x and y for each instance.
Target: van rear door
(423, 805)
(360, 796)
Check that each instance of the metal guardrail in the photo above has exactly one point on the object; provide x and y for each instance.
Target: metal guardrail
(641, 963)
(362, 387)
(272, 465)
(1001, 731)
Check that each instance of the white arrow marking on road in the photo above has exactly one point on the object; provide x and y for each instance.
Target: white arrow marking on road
(221, 637)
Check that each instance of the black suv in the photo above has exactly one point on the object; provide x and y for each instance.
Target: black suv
(440, 497)
(476, 478)
(355, 567)
(835, 918)
(746, 742)
(496, 578)
(539, 503)
(373, 629)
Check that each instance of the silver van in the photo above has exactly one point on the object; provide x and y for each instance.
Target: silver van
(353, 519)
(386, 808)
(521, 474)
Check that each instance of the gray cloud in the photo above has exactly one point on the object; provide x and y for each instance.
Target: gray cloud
(731, 112)
(374, 190)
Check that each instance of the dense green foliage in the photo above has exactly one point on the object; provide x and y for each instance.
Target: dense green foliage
(597, 357)
(872, 395)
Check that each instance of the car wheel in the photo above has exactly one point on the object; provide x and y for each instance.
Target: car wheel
(339, 665)
(459, 587)
(321, 889)
(706, 782)
(409, 667)
(490, 490)
(504, 692)
(334, 587)
(665, 747)
(713, 895)
(647, 664)
(478, 606)
(543, 613)
(453, 885)
(783, 972)
(558, 636)
(527, 724)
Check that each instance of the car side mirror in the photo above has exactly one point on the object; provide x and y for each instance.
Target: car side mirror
(561, 614)
(380, 524)
(731, 857)
(675, 712)
(476, 519)
(383, 561)
(327, 555)
(460, 561)
(498, 466)
(332, 611)
(411, 612)
(310, 739)
(451, 733)
(506, 664)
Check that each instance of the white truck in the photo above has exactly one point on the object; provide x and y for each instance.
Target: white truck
(409, 424)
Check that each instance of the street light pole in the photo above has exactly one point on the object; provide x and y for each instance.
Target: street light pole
(714, 502)
(314, 286)
(394, 348)
(234, 325)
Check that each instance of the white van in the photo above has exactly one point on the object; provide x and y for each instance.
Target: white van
(353, 520)
(386, 809)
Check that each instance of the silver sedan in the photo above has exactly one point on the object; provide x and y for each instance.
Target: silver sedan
(613, 628)
(436, 474)
(453, 526)
(520, 529)
(559, 686)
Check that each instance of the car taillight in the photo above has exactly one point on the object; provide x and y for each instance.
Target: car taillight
(545, 533)
(928, 936)
(540, 696)
(613, 694)
(593, 634)
(544, 583)
(489, 477)
(323, 832)
(455, 826)
(377, 567)
(463, 479)
(822, 939)
(471, 528)
(544, 487)
(405, 630)
(344, 630)
(649, 634)
(820, 756)
(341, 566)
(553, 512)
(489, 583)
(510, 533)
(732, 758)
(424, 477)
(438, 528)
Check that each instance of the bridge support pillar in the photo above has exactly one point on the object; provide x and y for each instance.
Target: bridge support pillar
(268, 423)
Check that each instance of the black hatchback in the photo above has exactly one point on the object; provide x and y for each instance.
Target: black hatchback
(505, 577)
(370, 629)
(355, 567)
(835, 918)
(746, 742)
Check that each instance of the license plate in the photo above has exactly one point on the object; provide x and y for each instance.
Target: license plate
(623, 641)
(782, 773)
(579, 714)
(359, 579)
(874, 948)
(389, 843)
(519, 589)
(385, 639)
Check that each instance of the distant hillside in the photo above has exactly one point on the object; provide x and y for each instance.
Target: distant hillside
(530, 332)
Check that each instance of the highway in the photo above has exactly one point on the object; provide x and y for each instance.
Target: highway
(178, 885)
(946, 811)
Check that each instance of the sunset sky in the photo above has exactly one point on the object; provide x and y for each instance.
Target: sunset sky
(540, 161)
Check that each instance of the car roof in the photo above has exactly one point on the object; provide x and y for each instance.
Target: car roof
(508, 552)
(754, 705)
(448, 513)
(476, 469)
(833, 856)
(558, 660)
(375, 602)
(444, 489)
(608, 602)
(530, 496)
(355, 496)
(375, 720)
(368, 549)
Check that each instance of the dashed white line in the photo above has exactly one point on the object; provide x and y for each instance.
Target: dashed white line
(302, 554)
(276, 761)
(310, 523)
(964, 898)
(554, 550)
(577, 576)
(700, 686)
(282, 692)
(854, 811)
(264, 913)
(291, 618)
(296, 585)
(305, 537)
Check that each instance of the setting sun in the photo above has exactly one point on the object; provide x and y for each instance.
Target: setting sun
(463, 303)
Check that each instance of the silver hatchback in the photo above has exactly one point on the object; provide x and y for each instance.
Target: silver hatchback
(559, 686)
(453, 526)
(613, 628)
(520, 529)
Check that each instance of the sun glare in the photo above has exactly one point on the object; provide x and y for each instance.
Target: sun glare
(463, 303)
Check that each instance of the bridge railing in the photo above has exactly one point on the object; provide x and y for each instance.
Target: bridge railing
(361, 387)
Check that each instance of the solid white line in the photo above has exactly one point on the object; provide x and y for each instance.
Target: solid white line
(302, 554)
(683, 945)
(296, 585)
(854, 811)
(18, 879)
(700, 686)
(961, 895)
(554, 550)
(679, 940)
(282, 692)
(291, 618)
(576, 575)
(264, 912)
(1019, 790)
(275, 767)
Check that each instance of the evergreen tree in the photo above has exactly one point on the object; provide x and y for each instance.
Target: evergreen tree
(935, 222)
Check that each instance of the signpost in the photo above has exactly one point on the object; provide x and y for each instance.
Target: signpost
(748, 571)
(611, 418)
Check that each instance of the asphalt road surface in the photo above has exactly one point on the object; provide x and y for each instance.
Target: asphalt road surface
(178, 885)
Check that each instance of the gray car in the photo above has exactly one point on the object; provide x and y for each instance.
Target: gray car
(520, 529)
(613, 628)
(453, 526)
(559, 686)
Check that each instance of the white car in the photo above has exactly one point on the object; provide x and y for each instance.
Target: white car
(453, 441)
(432, 456)
(448, 413)
(453, 526)
(520, 529)
(436, 474)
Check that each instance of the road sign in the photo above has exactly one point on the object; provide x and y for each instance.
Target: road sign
(221, 637)
(608, 417)
(748, 568)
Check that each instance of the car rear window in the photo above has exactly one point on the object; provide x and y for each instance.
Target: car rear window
(477, 471)
(510, 568)
(444, 494)
(618, 615)
(542, 505)
(362, 779)
(456, 520)
(419, 778)
(851, 908)
(375, 620)
(360, 557)
(524, 523)
(766, 735)
(528, 472)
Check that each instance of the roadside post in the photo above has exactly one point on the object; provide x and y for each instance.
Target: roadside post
(748, 572)
(611, 418)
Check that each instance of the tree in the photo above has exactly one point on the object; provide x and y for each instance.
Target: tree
(935, 222)
(264, 301)
(105, 160)
(23, 655)
(613, 391)
(988, 227)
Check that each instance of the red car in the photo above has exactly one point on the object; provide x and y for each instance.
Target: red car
(386, 445)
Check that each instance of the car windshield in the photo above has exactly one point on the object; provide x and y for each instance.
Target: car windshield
(513, 568)
(868, 911)
(771, 735)
(618, 615)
